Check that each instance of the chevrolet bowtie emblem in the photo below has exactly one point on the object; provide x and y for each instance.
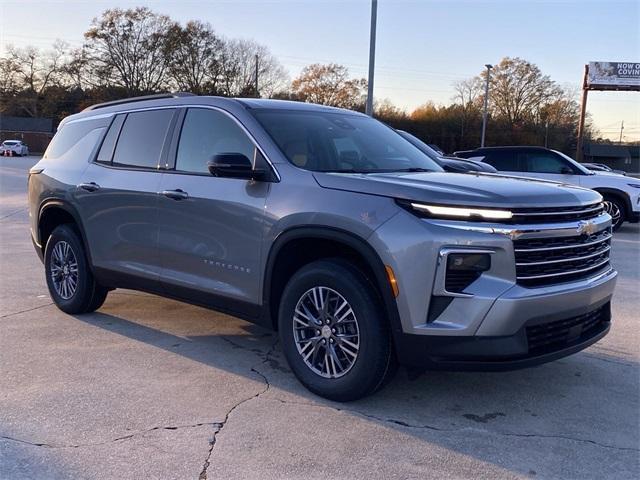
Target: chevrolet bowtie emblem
(586, 228)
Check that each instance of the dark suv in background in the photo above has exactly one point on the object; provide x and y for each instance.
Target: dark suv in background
(326, 225)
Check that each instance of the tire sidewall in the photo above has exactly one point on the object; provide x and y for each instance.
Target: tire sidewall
(374, 349)
(85, 283)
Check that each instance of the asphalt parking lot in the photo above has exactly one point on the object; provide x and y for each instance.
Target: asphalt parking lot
(151, 388)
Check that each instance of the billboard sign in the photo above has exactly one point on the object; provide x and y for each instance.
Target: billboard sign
(614, 74)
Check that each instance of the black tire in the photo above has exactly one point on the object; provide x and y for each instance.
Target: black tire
(87, 296)
(375, 362)
(617, 209)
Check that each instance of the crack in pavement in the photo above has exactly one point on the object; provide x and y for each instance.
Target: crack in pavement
(113, 440)
(14, 212)
(456, 430)
(220, 426)
(423, 427)
(26, 310)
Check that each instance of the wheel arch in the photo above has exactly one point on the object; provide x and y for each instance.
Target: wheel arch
(290, 251)
(54, 212)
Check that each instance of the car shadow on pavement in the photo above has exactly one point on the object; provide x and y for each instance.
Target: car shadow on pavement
(514, 420)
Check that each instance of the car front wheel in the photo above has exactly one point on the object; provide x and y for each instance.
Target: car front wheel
(334, 333)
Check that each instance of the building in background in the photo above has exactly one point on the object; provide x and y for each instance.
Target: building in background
(35, 132)
(618, 157)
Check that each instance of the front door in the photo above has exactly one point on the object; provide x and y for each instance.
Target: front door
(211, 228)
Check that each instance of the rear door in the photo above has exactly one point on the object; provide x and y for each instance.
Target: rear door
(506, 161)
(210, 227)
(118, 196)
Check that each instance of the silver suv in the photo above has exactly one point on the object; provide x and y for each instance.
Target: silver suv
(326, 225)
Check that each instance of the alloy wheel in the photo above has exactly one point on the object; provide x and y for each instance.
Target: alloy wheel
(325, 330)
(64, 270)
(612, 209)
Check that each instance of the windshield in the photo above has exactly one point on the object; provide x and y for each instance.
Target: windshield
(341, 142)
(420, 145)
(582, 168)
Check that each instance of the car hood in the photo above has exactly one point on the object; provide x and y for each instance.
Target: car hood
(469, 189)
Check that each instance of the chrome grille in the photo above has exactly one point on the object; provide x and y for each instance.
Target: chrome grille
(547, 261)
(550, 215)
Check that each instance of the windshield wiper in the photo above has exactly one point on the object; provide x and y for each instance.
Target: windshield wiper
(376, 170)
(412, 170)
(350, 170)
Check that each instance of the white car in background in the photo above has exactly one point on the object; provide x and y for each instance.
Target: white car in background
(14, 147)
(621, 194)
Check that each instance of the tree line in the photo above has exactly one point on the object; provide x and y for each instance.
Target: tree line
(138, 51)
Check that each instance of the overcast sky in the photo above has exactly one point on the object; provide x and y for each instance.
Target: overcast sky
(423, 46)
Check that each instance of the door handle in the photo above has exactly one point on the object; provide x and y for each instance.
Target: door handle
(89, 187)
(175, 194)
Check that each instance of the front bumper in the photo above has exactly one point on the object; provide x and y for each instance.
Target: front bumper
(488, 327)
(543, 336)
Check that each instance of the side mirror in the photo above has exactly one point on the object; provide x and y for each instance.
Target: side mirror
(234, 165)
(447, 167)
(566, 171)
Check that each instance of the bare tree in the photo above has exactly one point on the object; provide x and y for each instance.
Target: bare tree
(467, 95)
(519, 90)
(193, 53)
(127, 48)
(30, 71)
(9, 78)
(38, 69)
(238, 70)
(330, 85)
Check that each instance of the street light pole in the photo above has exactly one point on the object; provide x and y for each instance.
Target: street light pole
(372, 56)
(486, 102)
(546, 134)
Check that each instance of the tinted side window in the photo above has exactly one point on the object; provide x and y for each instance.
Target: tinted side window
(543, 162)
(70, 134)
(504, 160)
(206, 133)
(108, 144)
(141, 139)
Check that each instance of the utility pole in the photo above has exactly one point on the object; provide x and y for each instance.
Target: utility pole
(621, 129)
(546, 134)
(583, 113)
(486, 103)
(257, 91)
(372, 57)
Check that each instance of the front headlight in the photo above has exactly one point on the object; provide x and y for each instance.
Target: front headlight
(441, 211)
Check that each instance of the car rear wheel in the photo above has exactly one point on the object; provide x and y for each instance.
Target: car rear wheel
(614, 207)
(69, 279)
(334, 333)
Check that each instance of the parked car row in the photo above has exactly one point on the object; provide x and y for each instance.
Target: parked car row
(601, 167)
(14, 147)
(621, 194)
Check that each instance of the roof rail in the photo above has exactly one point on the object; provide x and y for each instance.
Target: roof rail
(138, 99)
